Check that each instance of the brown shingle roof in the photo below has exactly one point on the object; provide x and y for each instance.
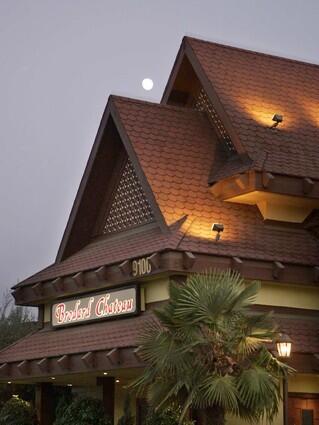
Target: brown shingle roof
(175, 148)
(252, 87)
(77, 339)
(125, 333)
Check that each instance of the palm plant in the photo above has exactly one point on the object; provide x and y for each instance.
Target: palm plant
(207, 351)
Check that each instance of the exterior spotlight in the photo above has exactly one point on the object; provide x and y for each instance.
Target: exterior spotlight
(69, 385)
(284, 344)
(218, 228)
(277, 118)
(117, 381)
(105, 373)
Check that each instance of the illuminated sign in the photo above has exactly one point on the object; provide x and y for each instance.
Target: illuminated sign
(104, 305)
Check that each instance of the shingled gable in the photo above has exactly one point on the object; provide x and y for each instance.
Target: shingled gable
(240, 91)
(98, 196)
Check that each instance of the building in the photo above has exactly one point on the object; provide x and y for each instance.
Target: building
(158, 177)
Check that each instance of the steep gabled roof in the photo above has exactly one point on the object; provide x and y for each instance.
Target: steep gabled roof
(111, 156)
(247, 88)
(175, 148)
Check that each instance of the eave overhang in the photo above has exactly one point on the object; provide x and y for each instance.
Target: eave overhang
(278, 197)
(166, 263)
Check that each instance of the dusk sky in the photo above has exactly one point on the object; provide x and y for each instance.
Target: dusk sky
(61, 59)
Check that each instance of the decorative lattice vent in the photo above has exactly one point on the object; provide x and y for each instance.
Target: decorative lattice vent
(204, 104)
(130, 206)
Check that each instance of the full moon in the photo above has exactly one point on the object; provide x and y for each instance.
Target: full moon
(147, 84)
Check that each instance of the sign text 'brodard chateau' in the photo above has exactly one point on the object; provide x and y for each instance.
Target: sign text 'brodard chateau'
(103, 305)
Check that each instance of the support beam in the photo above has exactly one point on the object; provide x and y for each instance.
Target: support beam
(64, 362)
(79, 280)
(267, 179)
(108, 393)
(58, 284)
(101, 273)
(4, 369)
(114, 356)
(38, 289)
(43, 365)
(307, 185)
(237, 264)
(44, 403)
(278, 269)
(23, 367)
(155, 260)
(188, 260)
(88, 359)
(125, 268)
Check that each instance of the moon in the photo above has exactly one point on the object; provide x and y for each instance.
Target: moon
(147, 84)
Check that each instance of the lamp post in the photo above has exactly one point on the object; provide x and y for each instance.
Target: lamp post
(284, 344)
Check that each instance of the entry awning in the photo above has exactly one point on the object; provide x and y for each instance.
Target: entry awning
(99, 346)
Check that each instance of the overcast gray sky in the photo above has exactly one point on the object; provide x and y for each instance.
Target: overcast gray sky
(60, 60)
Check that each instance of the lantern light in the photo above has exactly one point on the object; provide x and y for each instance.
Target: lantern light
(284, 344)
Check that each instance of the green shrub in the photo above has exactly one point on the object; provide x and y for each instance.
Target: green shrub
(169, 417)
(83, 411)
(17, 412)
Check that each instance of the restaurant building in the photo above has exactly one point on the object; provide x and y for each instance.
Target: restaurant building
(234, 141)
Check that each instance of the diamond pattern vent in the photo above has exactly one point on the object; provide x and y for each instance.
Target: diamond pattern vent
(204, 104)
(130, 206)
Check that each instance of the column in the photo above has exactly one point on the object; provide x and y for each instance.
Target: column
(44, 403)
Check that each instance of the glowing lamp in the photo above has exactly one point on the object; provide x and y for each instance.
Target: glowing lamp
(284, 344)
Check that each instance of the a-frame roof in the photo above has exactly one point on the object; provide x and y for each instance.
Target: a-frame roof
(174, 149)
(247, 89)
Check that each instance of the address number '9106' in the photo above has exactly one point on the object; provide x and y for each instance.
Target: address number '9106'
(141, 267)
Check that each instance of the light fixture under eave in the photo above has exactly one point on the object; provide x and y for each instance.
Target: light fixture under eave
(284, 344)
(277, 118)
(218, 228)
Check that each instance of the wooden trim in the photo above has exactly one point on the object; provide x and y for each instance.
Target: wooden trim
(117, 358)
(313, 396)
(260, 181)
(83, 184)
(172, 262)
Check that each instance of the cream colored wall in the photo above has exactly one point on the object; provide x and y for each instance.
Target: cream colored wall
(156, 290)
(47, 313)
(304, 383)
(271, 293)
(288, 295)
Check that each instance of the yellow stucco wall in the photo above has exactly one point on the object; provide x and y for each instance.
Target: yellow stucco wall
(271, 293)
(156, 290)
(288, 295)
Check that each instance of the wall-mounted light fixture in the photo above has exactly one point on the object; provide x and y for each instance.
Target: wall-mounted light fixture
(218, 228)
(284, 344)
(277, 118)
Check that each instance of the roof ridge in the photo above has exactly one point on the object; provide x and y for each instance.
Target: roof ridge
(254, 52)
